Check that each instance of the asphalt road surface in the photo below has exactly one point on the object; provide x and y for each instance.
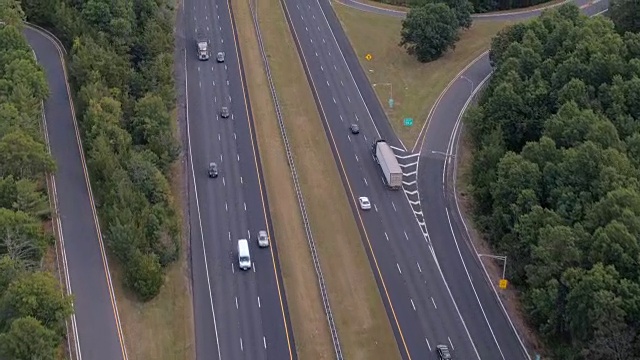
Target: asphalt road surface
(95, 324)
(423, 268)
(238, 314)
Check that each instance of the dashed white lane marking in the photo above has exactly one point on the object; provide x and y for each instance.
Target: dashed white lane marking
(259, 302)
(398, 265)
(413, 305)
(245, 206)
(387, 236)
(236, 302)
(241, 180)
(406, 236)
(264, 342)
(419, 269)
(434, 302)
(394, 206)
(365, 181)
(241, 347)
(429, 345)
(225, 206)
(450, 343)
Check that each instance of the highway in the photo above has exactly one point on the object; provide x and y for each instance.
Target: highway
(433, 287)
(238, 314)
(95, 328)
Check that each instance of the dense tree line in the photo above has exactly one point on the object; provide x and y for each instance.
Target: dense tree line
(121, 67)
(478, 6)
(431, 29)
(32, 306)
(555, 178)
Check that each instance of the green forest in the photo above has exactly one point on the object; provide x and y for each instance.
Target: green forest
(555, 178)
(32, 307)
(121, 69)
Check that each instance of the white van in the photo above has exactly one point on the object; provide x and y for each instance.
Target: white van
(244, 258)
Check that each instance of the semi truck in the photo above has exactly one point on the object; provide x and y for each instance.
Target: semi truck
(203, 46)
(384, 156)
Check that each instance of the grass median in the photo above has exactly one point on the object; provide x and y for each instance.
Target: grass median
(365, 332)
(414, 86)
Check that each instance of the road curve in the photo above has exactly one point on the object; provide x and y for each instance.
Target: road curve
(436, 186)
(428, 293)
(95, 325)
(518, 14)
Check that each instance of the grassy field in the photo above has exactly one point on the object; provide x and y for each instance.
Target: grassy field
(404, 8)
(415, 86)
(365, 332)
(163, 328)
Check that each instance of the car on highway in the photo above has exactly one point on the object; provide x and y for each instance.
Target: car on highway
(224, 112)
(263, 239)
(220, 56)
(365, 204)
(244, 258)
(355, 129)
(443, 352)
(213, 170)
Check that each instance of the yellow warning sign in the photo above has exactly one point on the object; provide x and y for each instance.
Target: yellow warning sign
(503, 283)
(368, 57)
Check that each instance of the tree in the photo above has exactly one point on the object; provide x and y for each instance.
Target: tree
(145, 275)
(22, 156)
(429, 31)
(38, 295)
(27, 339)
(625, 15)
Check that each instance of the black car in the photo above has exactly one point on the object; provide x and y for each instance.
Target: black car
(355, 129)
(213, 170)
(443, 352)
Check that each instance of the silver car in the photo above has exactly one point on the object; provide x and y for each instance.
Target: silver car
(224, 112)
(263, 238)
(220, 57)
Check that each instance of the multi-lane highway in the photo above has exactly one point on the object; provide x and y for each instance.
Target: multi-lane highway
(238, 314)
(431, 281)
(95, 326)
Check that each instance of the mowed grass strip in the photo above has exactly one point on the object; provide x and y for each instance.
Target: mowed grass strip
(163, 328)
(311, 331)
(415, 86)
(363, 327)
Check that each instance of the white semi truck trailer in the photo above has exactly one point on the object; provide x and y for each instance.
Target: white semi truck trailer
(384, 156)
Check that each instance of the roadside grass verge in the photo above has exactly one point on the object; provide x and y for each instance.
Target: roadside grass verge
(163, 328)
(415, 86)
(309, 323)
(365, 332)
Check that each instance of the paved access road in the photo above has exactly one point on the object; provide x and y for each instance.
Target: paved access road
(426, 288)
(238, 314)
(95, 324)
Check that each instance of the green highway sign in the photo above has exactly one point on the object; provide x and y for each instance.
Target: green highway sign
(408, 122)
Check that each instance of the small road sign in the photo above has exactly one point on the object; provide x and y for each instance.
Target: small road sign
(368, 57)
(503, 283)
(391, 103)
(408, 122)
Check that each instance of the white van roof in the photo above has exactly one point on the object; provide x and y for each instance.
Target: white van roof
(243, 245)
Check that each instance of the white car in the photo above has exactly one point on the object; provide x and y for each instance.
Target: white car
(365, 204)
(263, 239)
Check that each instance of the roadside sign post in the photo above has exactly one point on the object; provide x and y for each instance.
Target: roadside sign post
(408, 122)
(391, 103)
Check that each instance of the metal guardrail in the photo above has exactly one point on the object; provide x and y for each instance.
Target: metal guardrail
(294, 175)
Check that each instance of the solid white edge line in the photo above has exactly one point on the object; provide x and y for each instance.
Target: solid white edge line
(195, 187)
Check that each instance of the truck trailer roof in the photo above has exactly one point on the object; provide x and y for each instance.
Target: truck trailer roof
(387, 153)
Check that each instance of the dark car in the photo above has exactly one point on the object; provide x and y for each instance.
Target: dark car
(224, 112)
(443, 352)
(355, 129)
(220, 57)
(213, 170)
